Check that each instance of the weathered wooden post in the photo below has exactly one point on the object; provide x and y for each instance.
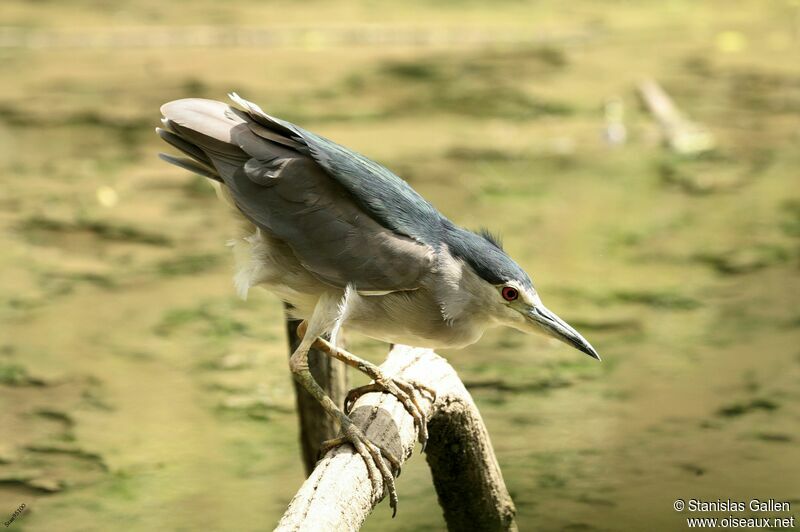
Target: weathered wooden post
(337, 495)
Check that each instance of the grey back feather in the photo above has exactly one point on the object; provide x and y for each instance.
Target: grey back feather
(348, 219)
(387, 198)
(280, 187)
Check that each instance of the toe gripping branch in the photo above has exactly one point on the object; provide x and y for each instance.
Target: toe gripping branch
(376, 456)
(406, 393)
(339, 494)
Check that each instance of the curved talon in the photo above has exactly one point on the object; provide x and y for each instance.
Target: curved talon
(357, 441)
(375, 458)
(410, 388)
(327, 445)
(388, 479)
(420, 387)
(356, 393)
(404, 391)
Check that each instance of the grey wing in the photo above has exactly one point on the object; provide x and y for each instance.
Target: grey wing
(389, 200)
(280, 188)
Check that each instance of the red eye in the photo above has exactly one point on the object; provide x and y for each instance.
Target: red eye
(510, 293)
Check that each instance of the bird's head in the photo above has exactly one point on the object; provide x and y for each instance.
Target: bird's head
(507, 292)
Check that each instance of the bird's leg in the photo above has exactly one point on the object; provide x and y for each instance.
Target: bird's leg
(379, 473)
(402, 389)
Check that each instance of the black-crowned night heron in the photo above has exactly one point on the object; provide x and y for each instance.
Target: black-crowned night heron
(344, 241)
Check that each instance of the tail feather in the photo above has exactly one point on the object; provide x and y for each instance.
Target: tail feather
(209, 117)
(191, 165)
(201, 130)
(186, 147)
(220, 139)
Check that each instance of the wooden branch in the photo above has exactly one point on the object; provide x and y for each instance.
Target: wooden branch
(465, 472)
(681, 134)
(315, 425)
(337, 495)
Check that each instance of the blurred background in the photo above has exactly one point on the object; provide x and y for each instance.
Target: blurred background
(138, 393)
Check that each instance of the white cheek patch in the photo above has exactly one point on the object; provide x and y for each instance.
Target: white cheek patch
(512, 316)
(462, 294)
